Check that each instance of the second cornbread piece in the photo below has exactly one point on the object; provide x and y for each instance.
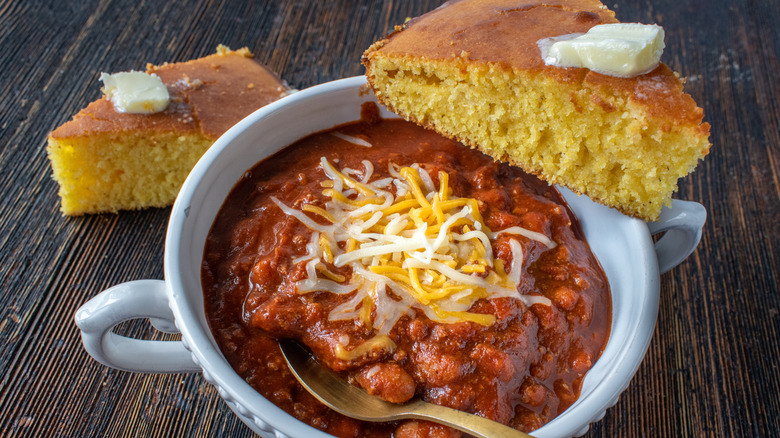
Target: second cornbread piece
(472, 70)
(106, 161)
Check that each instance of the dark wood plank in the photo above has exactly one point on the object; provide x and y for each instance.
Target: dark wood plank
(711, 369)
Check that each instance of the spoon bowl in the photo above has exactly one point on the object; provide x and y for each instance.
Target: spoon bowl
(354, 402)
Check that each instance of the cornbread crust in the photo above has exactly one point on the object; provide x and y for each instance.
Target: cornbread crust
(106, 161)
(472, 70)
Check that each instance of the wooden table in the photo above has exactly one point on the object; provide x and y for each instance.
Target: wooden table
(711, 370)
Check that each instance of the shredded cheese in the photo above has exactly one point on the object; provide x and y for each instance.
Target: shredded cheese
(409, 246)
(382, 342)
(351, 139)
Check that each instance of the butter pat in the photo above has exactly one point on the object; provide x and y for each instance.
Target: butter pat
(617, 49)
(135, 92)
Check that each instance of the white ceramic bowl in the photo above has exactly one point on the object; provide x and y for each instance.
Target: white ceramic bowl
(623, 246)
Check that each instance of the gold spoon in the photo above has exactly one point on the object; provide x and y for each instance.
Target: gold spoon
(354, 402)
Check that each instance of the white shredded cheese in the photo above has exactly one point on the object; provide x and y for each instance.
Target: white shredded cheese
(351, 139)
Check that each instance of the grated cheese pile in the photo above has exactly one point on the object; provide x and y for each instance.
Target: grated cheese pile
(409, 246)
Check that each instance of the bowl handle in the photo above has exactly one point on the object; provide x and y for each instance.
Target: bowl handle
(136, 299)
(682, 223)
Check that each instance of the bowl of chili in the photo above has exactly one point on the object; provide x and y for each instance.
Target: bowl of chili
(624, 247)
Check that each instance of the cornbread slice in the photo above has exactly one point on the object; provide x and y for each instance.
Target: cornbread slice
(472, 70)
(106, 161)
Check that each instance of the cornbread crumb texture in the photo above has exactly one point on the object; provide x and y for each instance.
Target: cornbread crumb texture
(472, 70)
(106, 161)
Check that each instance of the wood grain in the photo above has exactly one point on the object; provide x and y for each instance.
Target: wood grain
(711, 369)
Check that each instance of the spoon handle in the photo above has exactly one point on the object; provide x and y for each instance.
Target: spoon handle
(475, 425)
